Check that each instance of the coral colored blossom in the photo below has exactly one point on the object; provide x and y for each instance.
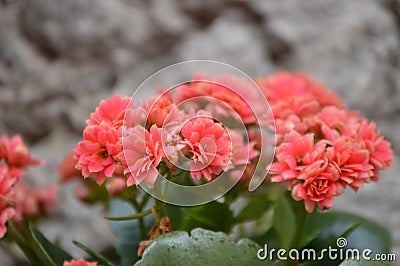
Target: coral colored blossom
(7, 183)
(110, 111)
(143, 152)
(242, 154)
(380, 152)
(157, 110)
(31, 202)
(283, 86)
(116, 185)
(209, 145)
(16, 154)
(350, 162)
(319, 186)
(306, 168)
(96, 154)
(289, 154)
(80, 262)
(225, 90)
(67, 169)
(5, 215)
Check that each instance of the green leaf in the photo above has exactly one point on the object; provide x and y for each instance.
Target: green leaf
(359, 233)
(333, 224)
(202, 247)
(213, 216)
(99, 258)
(57, 254)
(127, 233)
(284, 222)
(363, 262)
(41, 253)
(254, 210)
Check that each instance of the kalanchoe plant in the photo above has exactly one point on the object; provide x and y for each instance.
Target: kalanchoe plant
(204, 131)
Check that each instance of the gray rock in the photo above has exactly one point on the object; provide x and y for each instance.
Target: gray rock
(231, 39)
(351, 46)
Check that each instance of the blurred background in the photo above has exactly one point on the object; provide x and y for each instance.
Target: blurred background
(59, 58)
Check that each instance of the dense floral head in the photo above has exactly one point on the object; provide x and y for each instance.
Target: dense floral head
(143, 152)
(17, 201)
(227, 93)
(209, 147)
(97, 153)
(16, 155)
(323, 147)
(7, 183)
(284, 86)
(110, 111)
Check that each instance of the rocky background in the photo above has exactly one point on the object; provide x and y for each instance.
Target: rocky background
(59, 58)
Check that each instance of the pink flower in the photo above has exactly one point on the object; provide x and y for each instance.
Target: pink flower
(242, 154)
(97, 153)
(308, 171)
(67, 168)
(350, 162)
(46, 198)
(6, 192)
(157, 110)
(25, 202)
(110, 111)
(289, 154)
(209, 145)
(143, 152)
(291, 123)
(380, 152)
(333, 122)
(5, 215)
(80, 262)
(31, 202)
(16, 154)
(317, 172)
(116, 185)
(284, 86)
(320, 186)
(226, 90)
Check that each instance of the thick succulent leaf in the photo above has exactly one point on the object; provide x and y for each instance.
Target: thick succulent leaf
(202, 247)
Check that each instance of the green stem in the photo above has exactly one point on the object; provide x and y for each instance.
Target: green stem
(136, 216)
(139, 206)
(159, 210)
(142, 228)
(145, 199)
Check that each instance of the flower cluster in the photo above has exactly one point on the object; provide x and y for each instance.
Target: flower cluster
(18, 200)
(133, 142)
(322, 146)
